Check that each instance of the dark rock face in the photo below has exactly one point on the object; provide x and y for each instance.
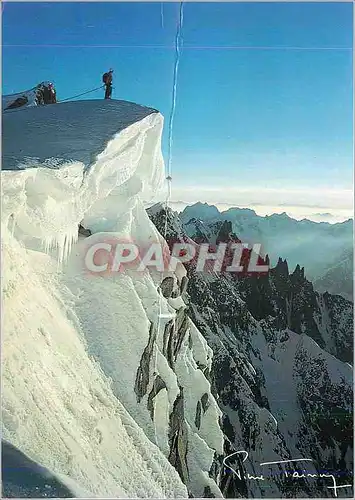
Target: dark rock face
(225, 233)
(158, 385)
(167, 286)
(204, 402)
(288, 301)
(142, 377)
(178, 439)
(327, 408)
(201, 409)
(20, 101)
(151, 384)
(183, 285)
(208, 493)
(279, 371)
(174, 335)
(340, 323)
(198, 415)
(231, 485)
(83, 231)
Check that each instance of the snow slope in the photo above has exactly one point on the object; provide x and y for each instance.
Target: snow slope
(91, 389)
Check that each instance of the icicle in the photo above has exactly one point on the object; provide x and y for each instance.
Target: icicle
(63, 244)
(48, 244)
(66, 242)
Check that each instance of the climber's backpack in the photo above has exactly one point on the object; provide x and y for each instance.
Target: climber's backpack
(105, 77)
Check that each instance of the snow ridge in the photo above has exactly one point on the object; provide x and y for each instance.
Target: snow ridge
(82, 393)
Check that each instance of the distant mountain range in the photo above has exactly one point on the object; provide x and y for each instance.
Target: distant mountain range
(324, 250)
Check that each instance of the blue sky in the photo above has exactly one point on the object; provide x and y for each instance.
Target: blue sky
(264, 99)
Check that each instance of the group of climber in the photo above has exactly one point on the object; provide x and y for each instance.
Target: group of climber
(46, 94)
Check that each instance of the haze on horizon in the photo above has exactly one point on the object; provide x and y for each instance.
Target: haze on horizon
(337, 205)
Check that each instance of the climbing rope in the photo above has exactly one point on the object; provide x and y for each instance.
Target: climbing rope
(83, 93)
(162, 14)
(178, 41)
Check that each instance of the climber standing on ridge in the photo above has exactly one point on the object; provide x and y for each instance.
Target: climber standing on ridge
(52, 94)
(107, 79)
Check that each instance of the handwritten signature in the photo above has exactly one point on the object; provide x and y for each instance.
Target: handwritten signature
(294, 475)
